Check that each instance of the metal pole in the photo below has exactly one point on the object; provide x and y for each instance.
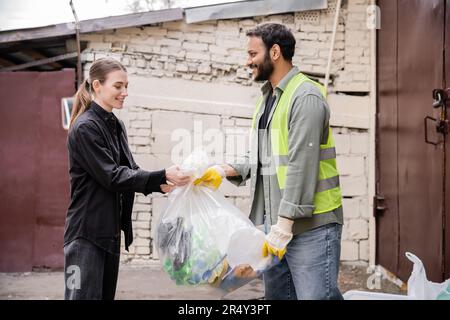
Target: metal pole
(77, 30)
(330, 54)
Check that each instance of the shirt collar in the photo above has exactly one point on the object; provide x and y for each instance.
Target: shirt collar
(105, 115)
(283, 83)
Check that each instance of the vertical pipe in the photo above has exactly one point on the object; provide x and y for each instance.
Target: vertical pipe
(77, 31)
(372, 139)
(333, 37)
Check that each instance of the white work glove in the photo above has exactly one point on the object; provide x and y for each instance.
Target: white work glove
(278, 238)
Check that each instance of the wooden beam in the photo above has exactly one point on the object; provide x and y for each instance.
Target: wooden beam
(37, 56)
(93, 25)
(5, 63)
(40, 62)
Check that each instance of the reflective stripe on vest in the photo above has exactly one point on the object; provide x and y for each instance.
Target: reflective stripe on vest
(328, 193)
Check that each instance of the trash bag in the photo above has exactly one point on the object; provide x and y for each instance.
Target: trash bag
(419, 287)
(200, 228)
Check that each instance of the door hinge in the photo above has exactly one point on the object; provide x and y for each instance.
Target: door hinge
(378, 205)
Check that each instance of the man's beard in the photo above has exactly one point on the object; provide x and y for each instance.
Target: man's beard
(265, 69)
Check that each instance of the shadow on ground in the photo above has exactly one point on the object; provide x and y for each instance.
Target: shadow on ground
(148, 282)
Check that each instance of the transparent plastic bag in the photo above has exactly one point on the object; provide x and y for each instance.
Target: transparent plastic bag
(195, 231)
(419, 287)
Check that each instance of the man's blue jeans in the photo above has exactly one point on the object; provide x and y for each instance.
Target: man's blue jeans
(309, 270)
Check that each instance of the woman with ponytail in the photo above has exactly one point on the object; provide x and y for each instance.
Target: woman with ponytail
(104, 178)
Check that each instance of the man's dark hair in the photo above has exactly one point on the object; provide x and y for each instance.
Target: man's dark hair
(274, 33)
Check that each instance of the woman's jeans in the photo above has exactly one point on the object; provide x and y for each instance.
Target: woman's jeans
(90, 273)
(309, 270)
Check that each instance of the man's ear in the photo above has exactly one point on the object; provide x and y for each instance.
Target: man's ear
(275, 52)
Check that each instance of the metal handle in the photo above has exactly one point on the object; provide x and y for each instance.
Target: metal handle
(426, 130)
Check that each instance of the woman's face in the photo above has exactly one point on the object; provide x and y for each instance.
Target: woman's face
(112, 93)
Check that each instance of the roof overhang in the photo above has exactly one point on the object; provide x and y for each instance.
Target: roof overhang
(86, 26)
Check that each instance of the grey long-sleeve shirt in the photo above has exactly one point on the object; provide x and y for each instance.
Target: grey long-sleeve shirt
(308, 128)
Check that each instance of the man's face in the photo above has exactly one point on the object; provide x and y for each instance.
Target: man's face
(258, 59)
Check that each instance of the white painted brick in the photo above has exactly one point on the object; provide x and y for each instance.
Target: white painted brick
(174, 25)
(87, 56)
(364, 250)
(141, 242)
(350, 165)
(206, 38)
(229, 43)
(351, 207)
(141, 140)
(143, 199)
(144, 124)
(218, 50)
(167, 122)
(195, 46)
(141, 207)
(228, 122)
(353, 186)
(141, 63)
(144, 216)
(141, 48)
(192, 36)
(342, 143)
(142, 132)
(349, 251)
(175, 35)
(243, 122)
(359, 143)
(201, 27)
(198, 56)
(358, 229)
(182, 67)
(99, 45)
(155, 31)
(143, 250)
(208, 121)
(365, 210)
(204, 68)
(169, 42)
(162, 143)
(312, 28)
(145, 234)
(141, 225)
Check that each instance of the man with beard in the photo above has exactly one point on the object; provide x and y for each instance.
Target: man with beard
(292, 165)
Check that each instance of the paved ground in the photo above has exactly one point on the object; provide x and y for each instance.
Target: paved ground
(150, 282)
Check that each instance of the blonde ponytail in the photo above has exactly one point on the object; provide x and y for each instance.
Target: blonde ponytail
(82, 100)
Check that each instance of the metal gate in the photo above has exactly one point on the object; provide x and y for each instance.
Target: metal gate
(34, 184)
(412, 175)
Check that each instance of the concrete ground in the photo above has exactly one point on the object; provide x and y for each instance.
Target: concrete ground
(149, 282)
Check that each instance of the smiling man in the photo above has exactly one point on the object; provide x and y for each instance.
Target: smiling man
(292, 165)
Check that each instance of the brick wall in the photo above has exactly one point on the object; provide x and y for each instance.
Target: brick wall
(212, 54)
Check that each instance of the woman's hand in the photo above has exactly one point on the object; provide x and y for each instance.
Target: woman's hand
(167, 188)
(176, 177)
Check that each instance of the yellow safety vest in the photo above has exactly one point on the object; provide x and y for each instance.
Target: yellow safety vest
(328, 192)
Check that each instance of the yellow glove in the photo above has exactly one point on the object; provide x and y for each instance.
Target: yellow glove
(278, 238)
(212, 177)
